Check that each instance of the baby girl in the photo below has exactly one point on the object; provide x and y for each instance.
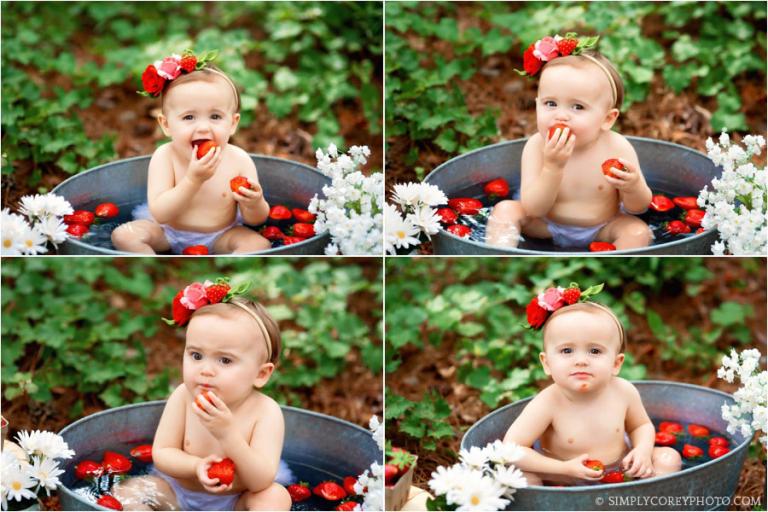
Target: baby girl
(218, 412)
(588, 413)
(191, 201)
(569, 190)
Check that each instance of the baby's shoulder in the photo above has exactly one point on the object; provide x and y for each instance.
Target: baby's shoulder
(534, 141)
(238, 152)
(547, 396)
(625, 388)
(618, 143)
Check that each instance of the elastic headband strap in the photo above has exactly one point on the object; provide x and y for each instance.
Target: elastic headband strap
(229, 81)
(262, 327)
(622, 334)
(608, 74)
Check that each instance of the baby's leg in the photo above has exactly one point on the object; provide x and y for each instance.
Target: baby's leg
(145, 493)
(626, 232)
(508, 220)
(274, 497)
(240, 239)
(141, 236)
(665, 460)
(532, 478)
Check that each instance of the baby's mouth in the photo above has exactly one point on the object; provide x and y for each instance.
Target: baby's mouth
(197, 142)
(581, 375)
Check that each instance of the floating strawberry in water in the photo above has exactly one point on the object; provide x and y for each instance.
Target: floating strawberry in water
(239, 181)
(612, 163)
(661, 203)
(447, 216)
(116, 463)
(290, 240)
(718, 441)
(554, 127)
(299, 492)
(204, 147)
(279, 215)
(615, 477)
(330, 491)
(672, 427)
(694, 216)
(692, 452)
(665, 439)
(195, 250)
(698, 430)
(465, 205)
(496, 189)
(686, 203)
(88, 469)
(80, 217)
(303, 230)
(716, 451)
(110, 502)
(272, 233)
(349, 485)
(459, 230)
(677, 227)
(223, 470)
(143, 452)
(601, 247)
(106, 210)
(594, 464)
(347, 505)
(303, 215)
(77, 230)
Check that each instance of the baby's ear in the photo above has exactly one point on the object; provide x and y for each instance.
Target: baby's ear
(543, 359)
(265, 372)
(617, 363)
(235, 123)
(163, 122)
(610, 119)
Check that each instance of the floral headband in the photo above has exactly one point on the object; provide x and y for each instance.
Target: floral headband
(552, 299)
(162, 72)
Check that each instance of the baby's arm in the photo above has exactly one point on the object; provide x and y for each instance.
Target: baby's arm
(542, 172)
(641, 432)
(253, 205)
(636, 195)
(167, 452)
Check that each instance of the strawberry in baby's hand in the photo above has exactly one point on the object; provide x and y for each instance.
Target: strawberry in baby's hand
(698, 430)
(237, 182)
(88, 469)
(554, 127)
(349, 485)
(106, 210)
(347, 505)
(665, 439)
(601, 247)
(465, 205)
(677, 227)
(224, 471)
(330, 491)
(116, 463)
(299, 492)
(496, 189)
(195, 250)
(661, 203)
(143, 452)
(612, 163)
(204, 395)
(594, 465)
(692, 452)
(110, 502)
(615, 477)
(77, 230)
(459, 230)
(80, 217)
(204, 148)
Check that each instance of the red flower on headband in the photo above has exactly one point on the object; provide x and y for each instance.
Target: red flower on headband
(197, 295)
(152, 82)
(535, 313)
(531, 64)
(552, 299)
(549, 48)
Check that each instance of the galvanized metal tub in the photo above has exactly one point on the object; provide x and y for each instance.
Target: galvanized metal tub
(313, 439)
(670, 167)
(706, 486)
(124, 183)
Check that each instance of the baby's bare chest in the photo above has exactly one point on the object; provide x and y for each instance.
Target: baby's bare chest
(579, 429)
(199, 441)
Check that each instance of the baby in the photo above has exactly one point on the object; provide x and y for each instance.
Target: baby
(588, 413)
(218, 412)
(189, 195)
(565, 194)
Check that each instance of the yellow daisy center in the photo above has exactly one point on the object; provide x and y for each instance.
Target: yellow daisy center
(7, 243)
(475, 500)
(401, 234)
(16, 486)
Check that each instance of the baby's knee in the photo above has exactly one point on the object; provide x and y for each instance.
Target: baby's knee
(251, 242)
(640, 231)
(508, 210)
(138, 493)
(274, 497)
(666, 460)
(122, 236)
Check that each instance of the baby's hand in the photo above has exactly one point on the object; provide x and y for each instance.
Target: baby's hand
(249, 197)
(214, 415)
(624, 179)
(210, 484)
(576, 468)
(637, 464)
(558, 149)
(203, 169)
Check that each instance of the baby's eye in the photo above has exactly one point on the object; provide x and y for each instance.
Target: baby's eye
(566, 351)
(595, 351)
(216, 116)
(196, 356)
(188, 117)
(578, 107)
(550, 103)
(225, 360)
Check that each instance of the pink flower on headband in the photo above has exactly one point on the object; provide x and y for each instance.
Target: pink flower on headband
(545, 49)
(194, 296)
(551, 299)
(170, 67)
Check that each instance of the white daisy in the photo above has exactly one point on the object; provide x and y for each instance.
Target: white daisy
(407, 194)
(400, 232)
(47, 472)
(32, 206)
(475, 457)
(53, 229)
(445, 480)
(13, 226)
(511, 478)
(503, 453)
(426, 218)
(33, 241)
(479, 493)
(55, 205)
(53, 446)
(431, 194)
(17, 483)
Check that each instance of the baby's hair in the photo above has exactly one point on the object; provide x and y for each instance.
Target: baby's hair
(258, 313)
(578, 60)
(206, 74)
(593, 307)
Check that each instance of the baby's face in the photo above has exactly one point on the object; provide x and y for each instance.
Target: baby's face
(579, 97)
(581, 350)
(222, 355)
(198, 111)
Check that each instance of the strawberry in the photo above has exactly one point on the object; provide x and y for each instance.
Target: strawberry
(686, 203)
(188, 63)
(272, 233)
(718, 441)
(693, 217)
(80, 217)
(390, 474)
(195, 250)
(88, 469)
(661, 203)
(347, 505)
(665, 438)
(692, 452)
(116, 463)
(698, 430)
(110, 502)
(237, 182)
(601, 247)
(224, 471)
(615, 477)
(279, 213)
(303, 215)
(204, 148)
(106, 210)
(205, 396)
(289, 240)
(571, 295)
(554, 127)
(181, 314)
(496, 188)
(330, 491)
(671, 427)
(459, 230)
(299, 492)
(566, 46)
(594, 464)
(447, 216)
(303, 230)
(612, 163)
(716, 451)
(401, 459)
(349, 485)
(465, 205)
(143, 452)
(677, 227)
(217, 291)
(699, 231)
(77, 230)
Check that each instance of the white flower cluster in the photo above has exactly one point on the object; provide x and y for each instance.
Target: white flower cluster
(371, 483)
(736, 203)
(23, 479)
(39, 223)
(748, 414)
(483, 480)
(416, 202)
(352, 208)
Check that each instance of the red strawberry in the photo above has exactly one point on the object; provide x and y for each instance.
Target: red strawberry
(80, 217)
(594, 464)
(459, 230)
(272, 233)
(692, 452)
(447, 216)
(303, 230)
(554, 127)
(143, 452)
(671, 427)
(661, 203)
(303, 216)
(110, 502)
(612, 163)
(347, 505)
(496, 188)
(615, 477)
(330, 491)
(694, 216)
(566, 46)
(116, 463)
(237, 182)
(77, 230)
(601, 247)
(279, 212)
(718, 441)
(299, 492)
(571, 295)
(195, 250)
(106, 210)
(678, 227)
(390, 474)
(698, 430)
(224, 471)
(716, 451)
(349, 485)
(188, 63)
(181, 314)
(88, 469)
(665, 438)
(686, 203)
(699, 231)
(205, 147)
(216, 292)
(290, 240)
(206, 396)
(465, 205)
